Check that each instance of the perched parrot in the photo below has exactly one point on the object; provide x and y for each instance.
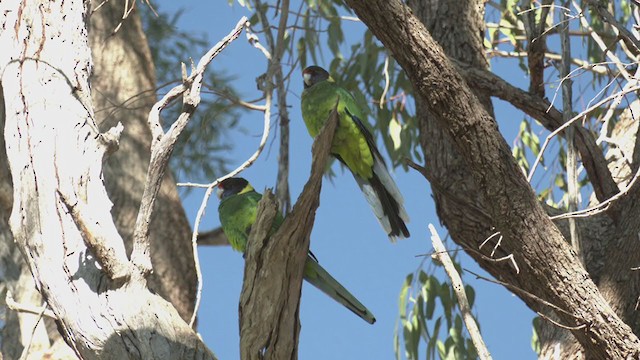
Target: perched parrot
(354, 146)
(237, 211)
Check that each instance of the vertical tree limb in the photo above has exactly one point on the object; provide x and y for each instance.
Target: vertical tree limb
(442, 255)
(270, 298)
(573, 187)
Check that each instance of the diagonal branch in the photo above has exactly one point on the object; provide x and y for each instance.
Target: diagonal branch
(626, 35)
(551, 118)
(458, 287)
(163, 144)
(275, 264)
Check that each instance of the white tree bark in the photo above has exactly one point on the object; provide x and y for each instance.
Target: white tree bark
(61, 213)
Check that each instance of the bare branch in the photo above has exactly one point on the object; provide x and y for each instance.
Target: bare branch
(573, 187)
(98, 237)
(215, 237)
(540, 109)
(458, 288)
(598, 40)
(623, 32)
(15, 306)
(274, 266)
(162, 145)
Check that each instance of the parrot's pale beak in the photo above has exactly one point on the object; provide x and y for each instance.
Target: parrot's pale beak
(307, 78)
(219, 192)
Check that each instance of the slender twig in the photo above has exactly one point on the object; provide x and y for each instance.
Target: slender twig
(385, 72)
(598, 40)
(604, 131)
(603, 206)
(29, 309)
(593, 67)
(573, 187)
(527, 294)
(571, 121)
(566, 327)
(458, 288)
(620, 29)
(25, 351)
(162, 145)
(268, 93)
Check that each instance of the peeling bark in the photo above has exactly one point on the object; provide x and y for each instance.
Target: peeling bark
(55, 152)
(123, 90)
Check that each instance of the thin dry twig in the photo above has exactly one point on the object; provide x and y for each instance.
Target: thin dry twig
(525, 293)
(16, 306)
(619, 29)
(566, 327)
(162, 145)
(597, 68)
(385, 71)
(209, 187)
(598, 40)
(603, 206)
(458, 288)
(571, 121)
(25, 351)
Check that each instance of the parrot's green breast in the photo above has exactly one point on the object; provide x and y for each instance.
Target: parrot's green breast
(348, 143)
(237, 214)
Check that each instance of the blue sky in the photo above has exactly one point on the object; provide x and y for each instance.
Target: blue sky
(346, 238)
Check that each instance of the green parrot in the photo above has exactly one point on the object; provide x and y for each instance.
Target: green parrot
(237, 211)
(355, 147)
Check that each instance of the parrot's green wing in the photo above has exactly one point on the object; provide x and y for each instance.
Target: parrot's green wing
(355, 147)
(238, 213)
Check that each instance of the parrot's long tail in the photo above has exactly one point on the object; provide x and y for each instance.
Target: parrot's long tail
(386, 200)
(320, 278)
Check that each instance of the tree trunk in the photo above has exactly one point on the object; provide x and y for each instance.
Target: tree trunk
(123, 90)
(60, 205)
(547, 267)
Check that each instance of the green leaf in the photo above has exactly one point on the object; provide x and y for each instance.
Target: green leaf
(446, 300)
(535, 341)
(471, 294)
(394, 132)
(442, 350)
(404, 292)
(506, 29)
(431, 345)
(301, 48)
(431, 288)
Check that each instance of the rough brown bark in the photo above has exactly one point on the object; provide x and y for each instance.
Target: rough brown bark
(275, 264)
(548, 267)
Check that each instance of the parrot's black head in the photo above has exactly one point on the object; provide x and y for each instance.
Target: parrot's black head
(313, 75)
(233, 186)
